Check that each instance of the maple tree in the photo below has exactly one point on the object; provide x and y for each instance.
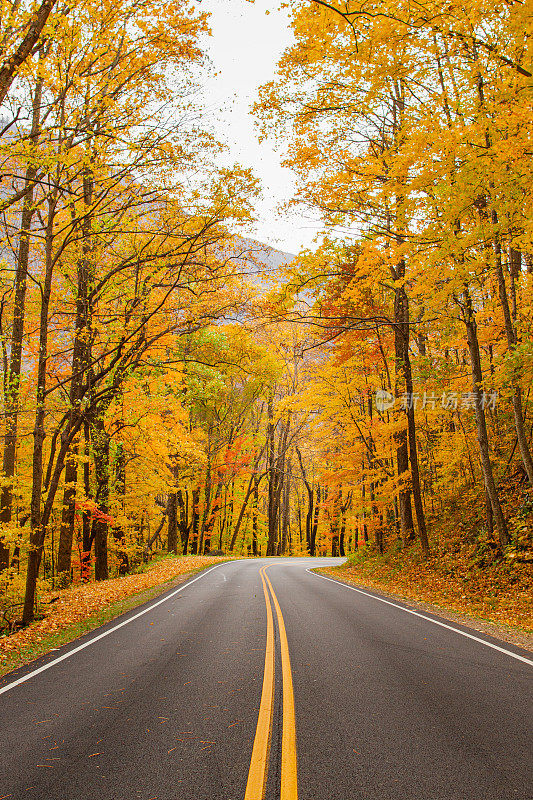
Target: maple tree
(410, 132)
(117, 254)
(160, 395)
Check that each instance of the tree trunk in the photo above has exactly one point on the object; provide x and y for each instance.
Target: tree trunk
(403, 367)
(273, 481)
(489, 516)
(120, 491)
(314, 528)
(184, 527)
(276, 481)
(12, 379)
(195, 522)
(66, 531)
(37, 531)
(212, 517)
(510, 332)
(100, 442)
(335, 524)
(228, 516)
(286, 510)
(310, 502)
(481, 423)
(253, 487)
(401, 437)
(155, 535)
(172, 541)
(86, 538)
(255, 505)
(207, 496)
(411, 429)
(26, 47)
(342, 534)
(80, 362)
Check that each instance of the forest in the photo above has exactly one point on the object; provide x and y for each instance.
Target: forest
(170, 386)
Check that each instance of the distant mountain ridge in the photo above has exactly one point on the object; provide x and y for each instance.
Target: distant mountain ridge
(263, 258)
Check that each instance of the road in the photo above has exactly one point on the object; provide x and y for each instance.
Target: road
(261, 678)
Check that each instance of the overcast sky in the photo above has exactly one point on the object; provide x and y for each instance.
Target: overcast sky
(244, 49)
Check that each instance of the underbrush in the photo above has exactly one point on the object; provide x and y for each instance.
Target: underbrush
(83, 607)
(467, 571)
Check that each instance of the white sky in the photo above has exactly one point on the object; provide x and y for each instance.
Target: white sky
(244, 48)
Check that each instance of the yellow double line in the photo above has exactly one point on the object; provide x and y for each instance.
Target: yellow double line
(258, 772)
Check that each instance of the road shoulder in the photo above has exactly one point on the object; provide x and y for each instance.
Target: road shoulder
(506, 633)
(74, 615)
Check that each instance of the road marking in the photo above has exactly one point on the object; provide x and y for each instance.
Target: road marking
(429, 619)
(257, 774)
(289, 776)
(104, 634)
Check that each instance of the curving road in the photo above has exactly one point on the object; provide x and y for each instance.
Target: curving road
(258, 678)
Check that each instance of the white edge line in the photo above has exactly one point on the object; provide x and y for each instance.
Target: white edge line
(429, 619)
(104, 634)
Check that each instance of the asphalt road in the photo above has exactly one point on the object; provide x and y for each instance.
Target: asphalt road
(246, 679)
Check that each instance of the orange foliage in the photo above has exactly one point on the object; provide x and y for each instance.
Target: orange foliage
(78, 603)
